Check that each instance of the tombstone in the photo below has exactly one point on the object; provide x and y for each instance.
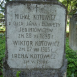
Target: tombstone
(35, 39)
(73, 32)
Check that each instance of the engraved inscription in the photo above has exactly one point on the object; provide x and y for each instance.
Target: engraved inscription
(21, 16)
(35, 35)
(44, 17)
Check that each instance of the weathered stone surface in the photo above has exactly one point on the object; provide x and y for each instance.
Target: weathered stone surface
(35, 39)
(8, 72)
(73, 32)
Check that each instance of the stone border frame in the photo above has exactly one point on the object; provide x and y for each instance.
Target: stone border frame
(54, 72)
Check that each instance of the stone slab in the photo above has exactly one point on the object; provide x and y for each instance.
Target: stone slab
(35, 35)
(73, 32)
(35, 39)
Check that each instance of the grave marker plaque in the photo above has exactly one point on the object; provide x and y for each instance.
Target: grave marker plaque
(35, 38)
(73, 32)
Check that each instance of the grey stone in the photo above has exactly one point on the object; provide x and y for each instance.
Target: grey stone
(73, 32)
(35, 39)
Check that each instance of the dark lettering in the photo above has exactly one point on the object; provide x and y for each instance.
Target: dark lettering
(22, 29)
(23, 43)
(22, 16)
